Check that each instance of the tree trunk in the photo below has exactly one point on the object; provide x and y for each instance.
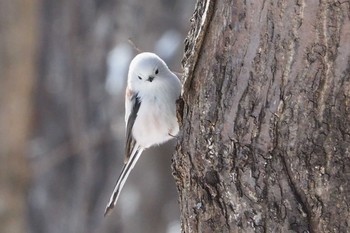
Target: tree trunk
(266, 118)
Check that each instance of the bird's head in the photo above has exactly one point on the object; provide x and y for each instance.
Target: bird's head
(146, 71)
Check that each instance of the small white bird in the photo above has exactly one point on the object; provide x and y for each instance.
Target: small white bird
(150, 111)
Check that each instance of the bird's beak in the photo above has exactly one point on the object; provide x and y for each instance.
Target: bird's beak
(150, 78)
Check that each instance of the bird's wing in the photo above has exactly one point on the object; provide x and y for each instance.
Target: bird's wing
(132, 105)
(132, 149)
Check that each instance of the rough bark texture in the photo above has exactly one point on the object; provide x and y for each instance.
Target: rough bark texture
(266, 118)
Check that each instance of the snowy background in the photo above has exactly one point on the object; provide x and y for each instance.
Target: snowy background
(74, 151)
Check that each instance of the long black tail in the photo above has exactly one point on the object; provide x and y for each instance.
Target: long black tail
(122, 178)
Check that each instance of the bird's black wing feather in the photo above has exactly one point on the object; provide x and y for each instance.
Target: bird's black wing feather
(130, 141)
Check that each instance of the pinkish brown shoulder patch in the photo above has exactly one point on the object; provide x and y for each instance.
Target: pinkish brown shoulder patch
(128, 93)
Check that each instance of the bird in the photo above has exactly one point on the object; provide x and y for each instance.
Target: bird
(150, 112)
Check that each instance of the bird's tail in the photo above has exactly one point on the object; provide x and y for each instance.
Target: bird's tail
(128, 166)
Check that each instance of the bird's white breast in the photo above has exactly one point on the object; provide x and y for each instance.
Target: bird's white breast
(156, 122)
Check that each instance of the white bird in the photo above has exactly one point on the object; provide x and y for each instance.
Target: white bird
(150, 111)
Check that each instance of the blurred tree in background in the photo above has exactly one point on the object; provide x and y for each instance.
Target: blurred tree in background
(17, 67)
(64, 66)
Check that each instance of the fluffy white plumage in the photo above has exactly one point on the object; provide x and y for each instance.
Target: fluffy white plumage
(150, 111)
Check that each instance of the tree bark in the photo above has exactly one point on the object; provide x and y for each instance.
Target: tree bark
(266, 118)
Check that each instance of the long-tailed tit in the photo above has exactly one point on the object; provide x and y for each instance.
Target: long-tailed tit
(150, 111)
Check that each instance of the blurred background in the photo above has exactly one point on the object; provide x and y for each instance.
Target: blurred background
(63, 69)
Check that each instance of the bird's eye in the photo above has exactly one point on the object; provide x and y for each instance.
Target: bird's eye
(157, 71)
(139, 77)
